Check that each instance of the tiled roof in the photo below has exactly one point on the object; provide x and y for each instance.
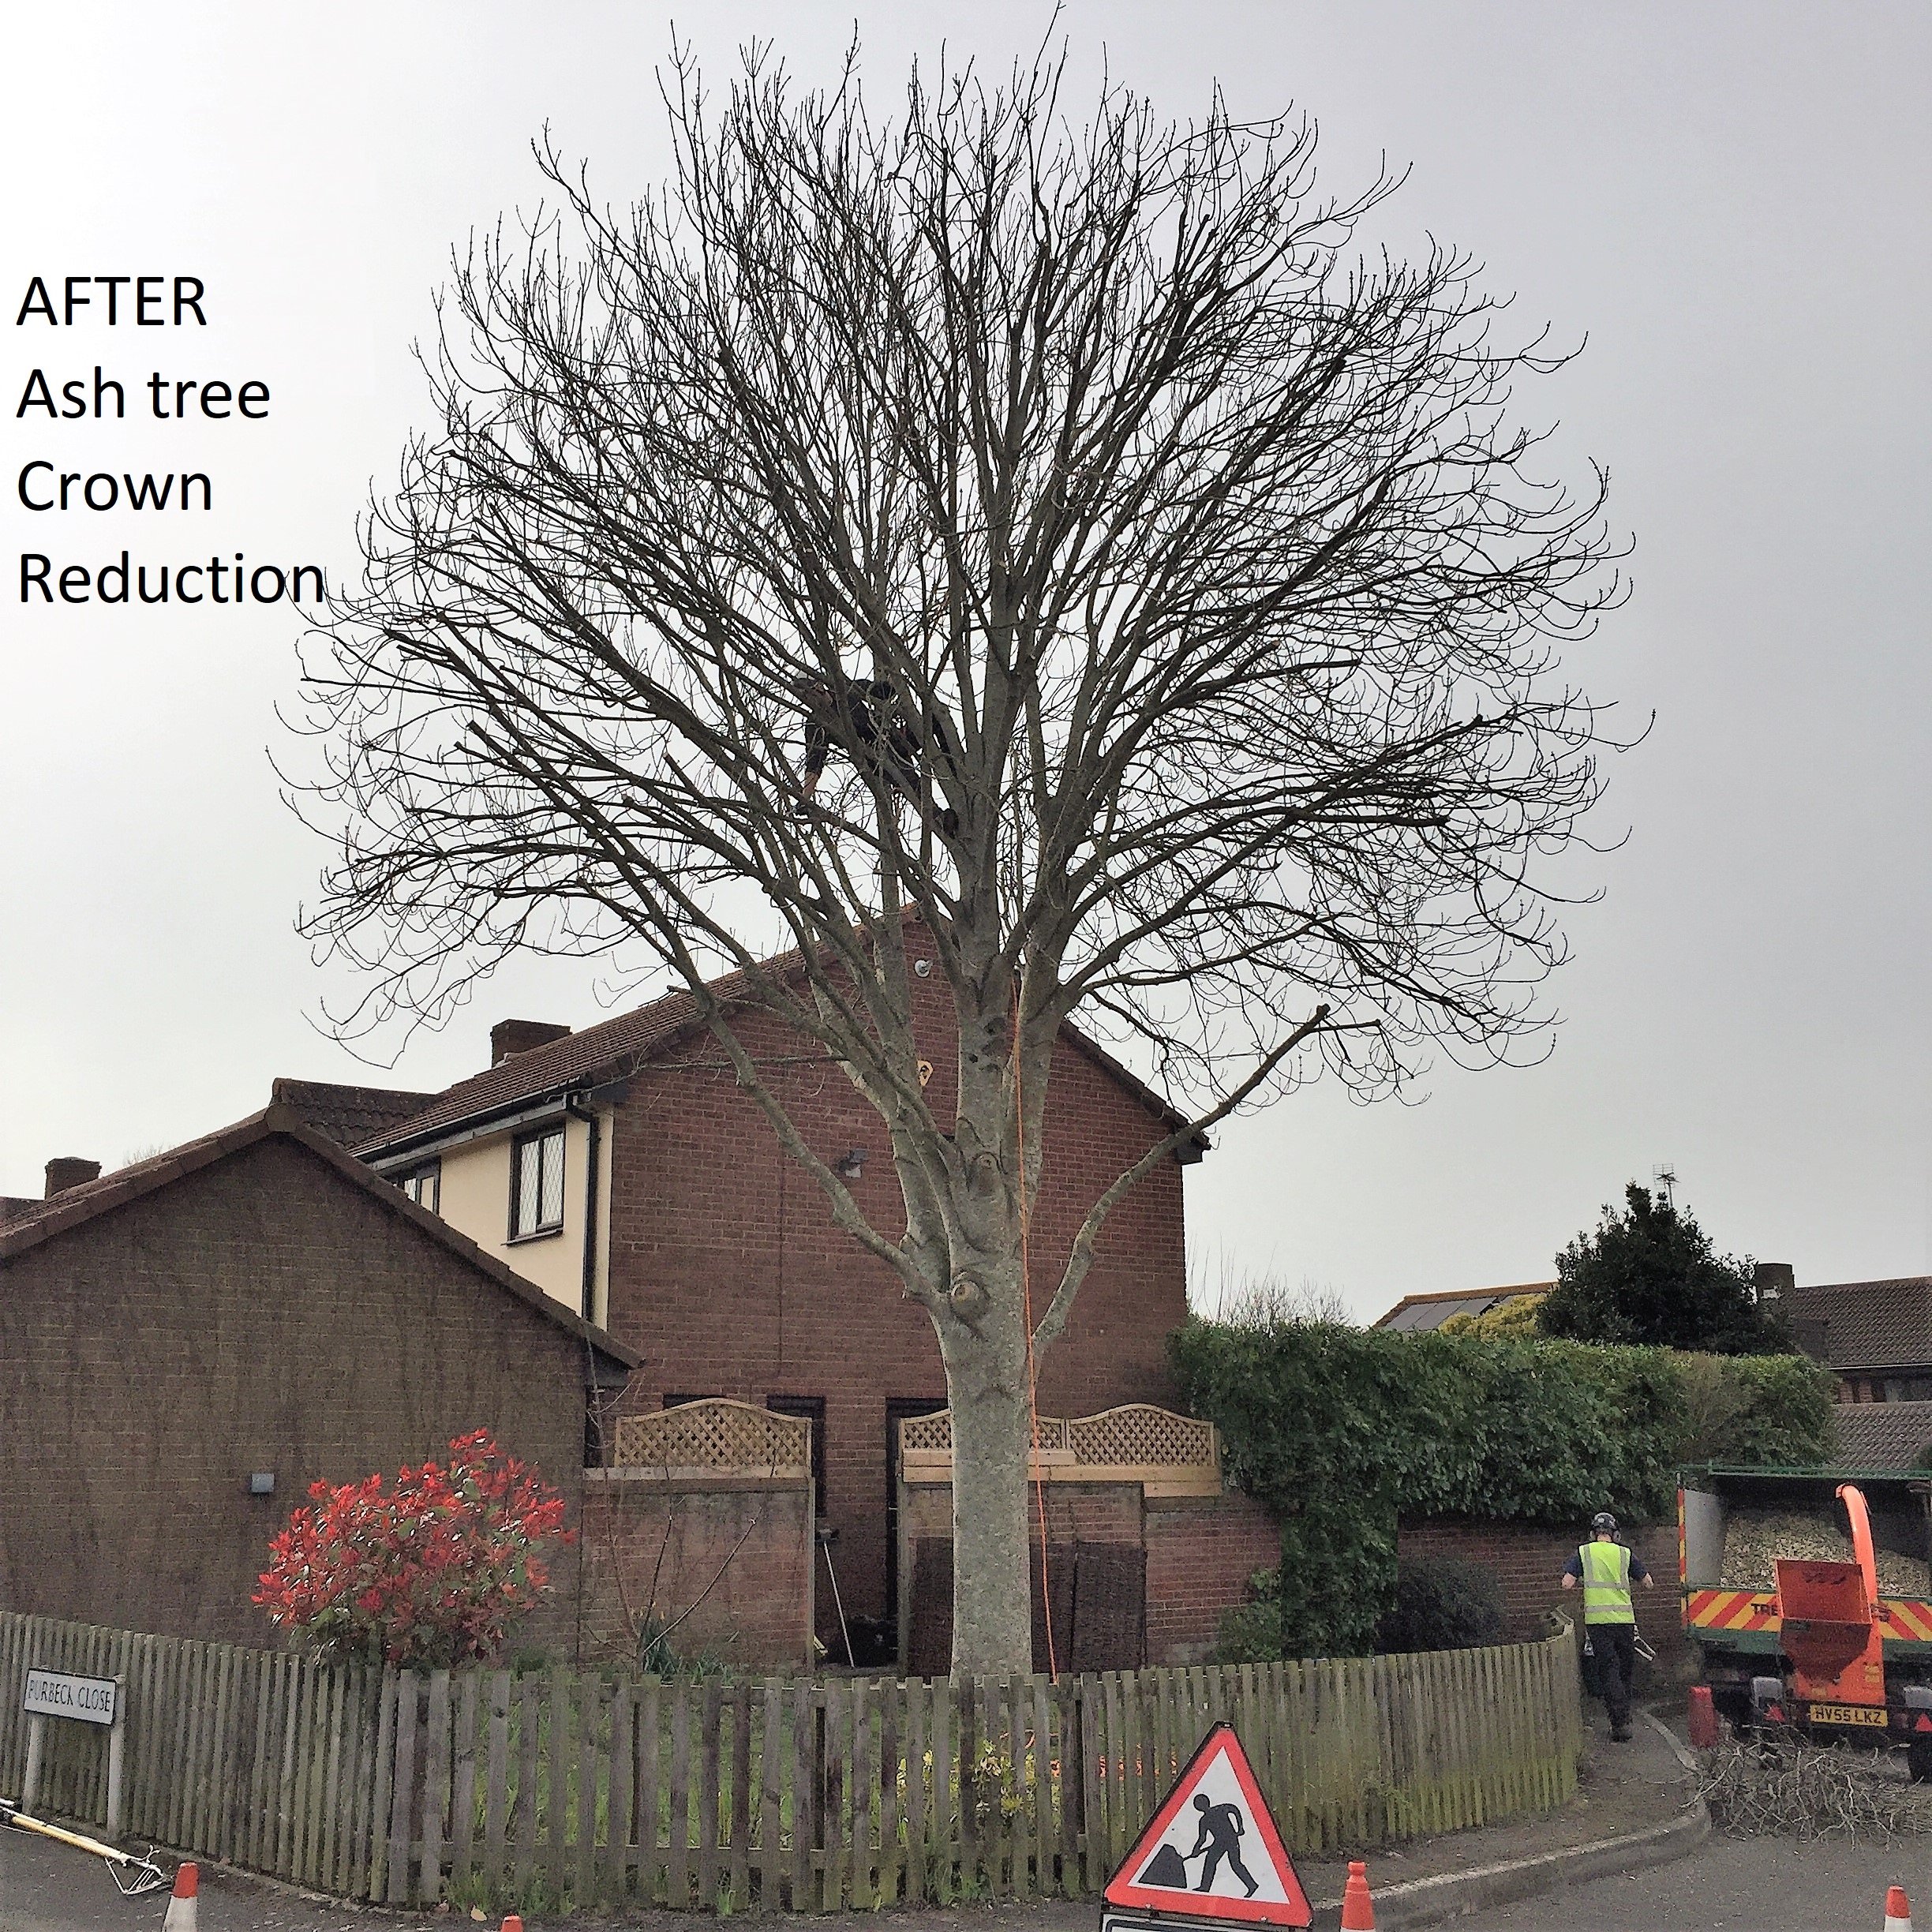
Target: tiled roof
(606, 1051)
(615, 1048)
(1883, 1435)
(348, 1115)
(16, 1206)
(1874, 1324)
(1416, 1313)
(78, 1206)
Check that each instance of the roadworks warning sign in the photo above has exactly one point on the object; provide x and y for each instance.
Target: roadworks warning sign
(1212, 1850)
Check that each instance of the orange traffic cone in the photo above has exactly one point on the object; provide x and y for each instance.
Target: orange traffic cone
(1898, 1911)
(1703, 1715)
(1357, 1907)
(182, 1911)
(513, 1923)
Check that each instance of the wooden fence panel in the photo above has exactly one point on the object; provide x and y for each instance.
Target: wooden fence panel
(560, 1790)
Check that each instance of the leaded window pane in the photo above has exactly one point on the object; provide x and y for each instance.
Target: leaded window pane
(552, 1191)
(529, 1167)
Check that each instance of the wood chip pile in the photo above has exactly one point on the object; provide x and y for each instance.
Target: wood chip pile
(1754, 1538)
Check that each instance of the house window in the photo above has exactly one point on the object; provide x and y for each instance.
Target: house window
(536, 1184)
(424, 1185)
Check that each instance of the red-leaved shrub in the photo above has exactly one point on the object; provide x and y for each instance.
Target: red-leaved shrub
(430, 1572)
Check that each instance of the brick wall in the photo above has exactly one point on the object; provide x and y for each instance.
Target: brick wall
(1528, 1561)
(726, 1272)
(264, 1313)
(1201, 1552)
(742, 1555)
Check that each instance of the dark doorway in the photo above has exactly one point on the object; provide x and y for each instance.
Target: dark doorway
(813, 1408)
(898, 1408)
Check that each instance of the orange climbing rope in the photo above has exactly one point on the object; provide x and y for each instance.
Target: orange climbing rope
(1026, 1282)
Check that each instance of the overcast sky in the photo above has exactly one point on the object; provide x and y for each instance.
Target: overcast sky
(1728, 201)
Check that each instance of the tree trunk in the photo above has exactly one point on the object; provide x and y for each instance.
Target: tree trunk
(992, 1434)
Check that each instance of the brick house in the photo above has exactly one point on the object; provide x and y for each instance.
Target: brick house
(1876, 1336)
(619, 1169)
(185, 1344)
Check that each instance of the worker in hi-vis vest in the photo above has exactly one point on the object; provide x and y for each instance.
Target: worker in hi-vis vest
(1606, 1569)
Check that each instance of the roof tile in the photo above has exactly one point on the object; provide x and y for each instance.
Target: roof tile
(616, 1047)
(1883, 1435)
(1873, 1324)
(79, 1205)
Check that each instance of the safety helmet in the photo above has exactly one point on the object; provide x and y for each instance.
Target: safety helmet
(1603, 1523)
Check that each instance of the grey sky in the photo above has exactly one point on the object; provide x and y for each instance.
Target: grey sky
(1729, 200)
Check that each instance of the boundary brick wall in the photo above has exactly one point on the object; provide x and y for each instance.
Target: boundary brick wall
(262, 1313)
(1529, 1560)
(727, 1273)
(652, 1546)
(1201, 1552)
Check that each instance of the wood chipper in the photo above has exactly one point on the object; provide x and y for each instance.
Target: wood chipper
(1839, 1644)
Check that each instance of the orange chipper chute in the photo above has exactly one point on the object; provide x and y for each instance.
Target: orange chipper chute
(1828, 1618)
(1860, 1517)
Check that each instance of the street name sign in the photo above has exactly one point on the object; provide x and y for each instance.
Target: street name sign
(53, 1694)
(1211, 1853)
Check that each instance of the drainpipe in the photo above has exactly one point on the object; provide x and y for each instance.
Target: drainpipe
(594, 1127)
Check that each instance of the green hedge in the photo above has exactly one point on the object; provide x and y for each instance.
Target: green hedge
(1340, 1430)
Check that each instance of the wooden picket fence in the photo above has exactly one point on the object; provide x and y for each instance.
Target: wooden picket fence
(559, 1790)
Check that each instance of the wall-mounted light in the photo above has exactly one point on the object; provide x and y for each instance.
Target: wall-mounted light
(851, 1164)
(922, 967)
(262, 1483)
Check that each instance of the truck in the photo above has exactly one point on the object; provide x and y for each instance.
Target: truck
(1808, 1595)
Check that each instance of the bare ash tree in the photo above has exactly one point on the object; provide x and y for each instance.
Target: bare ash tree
(1159, 578)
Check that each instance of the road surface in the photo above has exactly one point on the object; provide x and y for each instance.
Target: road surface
(1755, 1885)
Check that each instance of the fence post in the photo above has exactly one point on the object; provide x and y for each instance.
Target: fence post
(117, 1747)
(36, 1748)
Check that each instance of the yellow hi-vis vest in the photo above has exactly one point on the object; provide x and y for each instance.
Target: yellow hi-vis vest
(1606, 1583)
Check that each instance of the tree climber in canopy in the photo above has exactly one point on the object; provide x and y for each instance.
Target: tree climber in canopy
(867, 720)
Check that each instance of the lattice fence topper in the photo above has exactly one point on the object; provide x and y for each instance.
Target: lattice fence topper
(715, 1436)
(1135, 1436)
(1139, 1434)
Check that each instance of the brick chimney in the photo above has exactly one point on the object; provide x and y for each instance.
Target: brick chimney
(64, 1171)
(516, 1036)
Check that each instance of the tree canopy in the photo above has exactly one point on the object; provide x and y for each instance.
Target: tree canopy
(1060, 536)
(1649, 1277)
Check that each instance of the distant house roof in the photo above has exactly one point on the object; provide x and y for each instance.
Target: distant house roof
(616, 1048)
(347, 1115)
(77, 1206)
(1873, 1324)
(1891, 1435)
(1416, 1312)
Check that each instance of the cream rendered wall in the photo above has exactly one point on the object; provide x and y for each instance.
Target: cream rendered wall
(475, 1200)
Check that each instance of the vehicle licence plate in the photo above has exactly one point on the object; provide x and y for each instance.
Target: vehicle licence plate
(1847, 1714)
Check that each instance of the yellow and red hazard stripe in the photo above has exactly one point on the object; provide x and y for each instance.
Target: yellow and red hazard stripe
(1907, 1617)
(1732, 1610)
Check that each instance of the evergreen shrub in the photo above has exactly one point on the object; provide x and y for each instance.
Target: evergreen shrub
(1444, 1604)
(1340, 1430)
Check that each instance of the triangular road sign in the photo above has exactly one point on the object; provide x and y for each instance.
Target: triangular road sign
(1212, 1850)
